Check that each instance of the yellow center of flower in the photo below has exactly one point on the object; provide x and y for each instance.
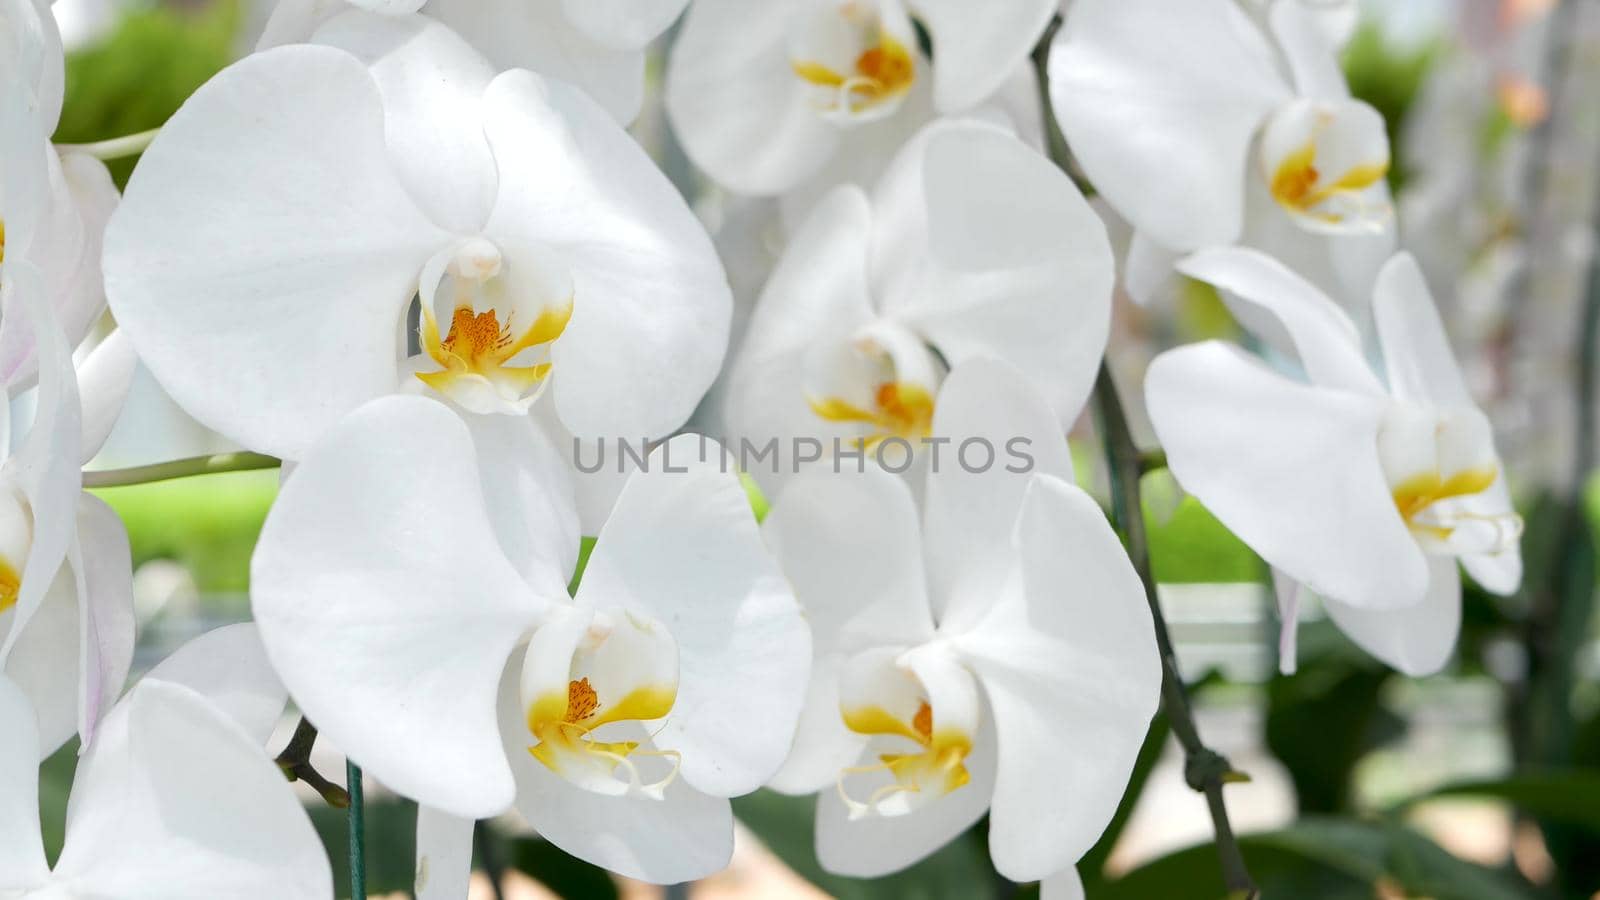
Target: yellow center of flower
(899, 409)
(10, 584)
(564, 728)
(1298, 184)
(937, 770)
(1415, 495)
(882, 72)
(478, 344)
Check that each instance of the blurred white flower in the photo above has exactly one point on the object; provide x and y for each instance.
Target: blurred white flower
(275, 234)
(971, 244)
(597, 45)
(144, 819)
(1203, 129)
(1364, 491)
(998, 656)
(440, 649)
(765, 96)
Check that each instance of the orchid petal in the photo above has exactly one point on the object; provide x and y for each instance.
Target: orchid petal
(228, 666)
(1416, 349)
(528, 488)
(1292, 469)
(46, 663)
(978, 45)
(432, 83)
(390, 7)
(651, 305)
(389, 624)
(22, 860)
(444, 855)
(150, 825)
(104, 380)
(217, 261)
(1160, 103)
(1417, 640)
(1313, 59)
(970, 513)
(623, 24)
(87, 187)
(682, 547)
(1064, 885)
(1065, 752)
(735, 101)
(103, 577)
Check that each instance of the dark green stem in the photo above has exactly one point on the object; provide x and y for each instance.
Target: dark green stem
(1204, 769)
(180, 468)
(358, 833)
(295, 761)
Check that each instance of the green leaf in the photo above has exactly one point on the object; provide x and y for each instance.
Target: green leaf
(960, 871)
(1193, 547)
(390, 848)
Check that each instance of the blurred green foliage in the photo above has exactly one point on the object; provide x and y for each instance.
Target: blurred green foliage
(1389, 78)
(208, 523)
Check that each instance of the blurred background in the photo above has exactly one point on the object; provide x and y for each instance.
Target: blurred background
(1481, 782)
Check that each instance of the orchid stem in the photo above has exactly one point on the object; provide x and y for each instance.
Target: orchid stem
(179, 468)
(115, 148)
(1204, 769)
(358, 833)
(295, 761)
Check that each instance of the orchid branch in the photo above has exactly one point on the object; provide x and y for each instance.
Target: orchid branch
(114, 148)
(356, 822)
(295, 761)
(180, 468)
(1204, 769)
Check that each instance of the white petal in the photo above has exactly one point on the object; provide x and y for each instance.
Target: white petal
(1417, 640)
(151, 826)
(976, 46)
(735, 101)
(390, 7)
(1160, 104)
(970, 513)
(444, 855)
(1064, 885)
(652, 306)
(432, 84)
(93, 196)
(1313, 59)
(294, 21)
(1327, 342)
(228, 667)
(682, 547)
(1149, 270)
(873, 846)
(103, 578)
(103, 383)
(1073, 679)
(1416, 349)
(45, 466)
(217, 262)
(1016, 263)
(818, 295)
(34, 64)
(822, 744)
(22, 862)
(45, 662)
(623, 24)
(685, 836)
(388, 607)
(1293, 470)
(528, 487)
(538, 35)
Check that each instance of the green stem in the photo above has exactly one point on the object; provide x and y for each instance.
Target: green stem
(115, 148)
(358, 833)
(1205, 770)
(179, 468)
(295, 761)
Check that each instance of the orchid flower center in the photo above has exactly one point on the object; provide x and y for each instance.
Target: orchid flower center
(495, 354)
(921, 710)
(586, 717)
(1324, 163)
(856, 63)
(16, 539)
(883, 382)
(2, 240)
(1441, 469)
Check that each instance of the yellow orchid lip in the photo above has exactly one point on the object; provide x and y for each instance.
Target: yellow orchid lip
(1298, 185)
(479, 345)
(565, 725)
(938, 769)
(900, 410)
(882, 72)
(10, 584)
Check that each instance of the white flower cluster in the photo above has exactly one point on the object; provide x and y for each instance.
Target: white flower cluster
(410, 249)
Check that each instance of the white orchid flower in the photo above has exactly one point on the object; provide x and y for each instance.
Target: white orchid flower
(1204, 129)
(764, 96)
(997, 656)
(276, 231)
(598, 45)
(972, 244)
(66, 600)
(143, 820)
(1365, 492)
(53, 204)
(440, 650)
